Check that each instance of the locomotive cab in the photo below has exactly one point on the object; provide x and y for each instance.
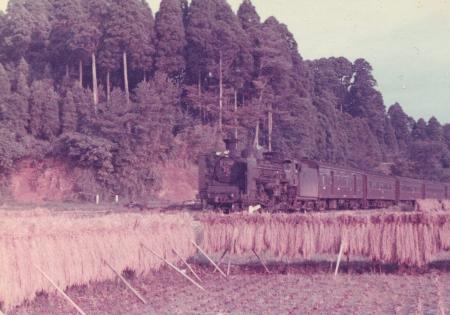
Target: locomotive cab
(291, 170)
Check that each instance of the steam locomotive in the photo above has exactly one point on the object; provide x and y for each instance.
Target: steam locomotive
(231, 180)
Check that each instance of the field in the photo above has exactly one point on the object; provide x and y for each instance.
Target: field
(297, 289)
(296, 284)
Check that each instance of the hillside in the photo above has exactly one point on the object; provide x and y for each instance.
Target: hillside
(101, 94)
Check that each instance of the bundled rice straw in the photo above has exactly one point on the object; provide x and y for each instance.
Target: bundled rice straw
(404, 238)
(71, 248)
(446, 204)
(426, 205)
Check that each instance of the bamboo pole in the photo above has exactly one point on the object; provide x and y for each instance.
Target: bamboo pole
(174, 267)
(60, 291)
(139, 296)
(187, 265)
(221, 258)
(261, 261)
(339, 259)
(210, 260)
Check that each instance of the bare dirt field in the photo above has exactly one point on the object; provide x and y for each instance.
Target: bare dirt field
(302, 288)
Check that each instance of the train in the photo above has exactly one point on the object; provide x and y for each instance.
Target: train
(233, 180)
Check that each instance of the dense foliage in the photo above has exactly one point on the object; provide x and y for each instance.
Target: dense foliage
(114, 91)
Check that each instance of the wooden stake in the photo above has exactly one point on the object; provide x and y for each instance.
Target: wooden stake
(348, 262)
(209, 258)
(261, 261)
(126, 282)
(221, 258)
(60, 291)
(187, 265)
(174, 267)
(339, 259)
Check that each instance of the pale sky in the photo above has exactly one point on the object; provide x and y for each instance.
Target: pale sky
(406, 41)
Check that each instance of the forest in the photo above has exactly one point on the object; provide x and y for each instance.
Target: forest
(114, 90)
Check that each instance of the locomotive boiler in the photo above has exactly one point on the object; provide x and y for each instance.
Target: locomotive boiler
(233, 180)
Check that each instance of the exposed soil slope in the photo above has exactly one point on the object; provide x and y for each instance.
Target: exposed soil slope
(179, 182)
(39, 181)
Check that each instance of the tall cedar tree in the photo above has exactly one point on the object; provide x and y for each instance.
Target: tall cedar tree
(3, 57)
(70, 18)
(248, 16)
(434, 130)
(44, 110)
(274, 78)
(88, 35)
(419, 131)
(37, 54)
(446, 131)
(16, 108)
(366, 101)
(69, 117)
(17, 31)
(401, 124)
(170, 55)
(5, 83)
(129, 29)
(218, 47)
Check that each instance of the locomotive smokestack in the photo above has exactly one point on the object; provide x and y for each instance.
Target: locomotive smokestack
(231, 145)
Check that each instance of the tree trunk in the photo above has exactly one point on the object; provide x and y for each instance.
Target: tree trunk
(235, 115)
(270, 126)
(125, 77)
(145, 76)
(67, 71)
(202, 110)
(257, 121)
(80, 69)
(220, 92)
(94, 81)
(259, 108)
(108, 86)
(256, 144)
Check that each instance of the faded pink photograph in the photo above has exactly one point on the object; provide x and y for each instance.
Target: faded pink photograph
(224, 157)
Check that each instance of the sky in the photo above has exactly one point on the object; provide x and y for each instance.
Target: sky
(407, 43)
